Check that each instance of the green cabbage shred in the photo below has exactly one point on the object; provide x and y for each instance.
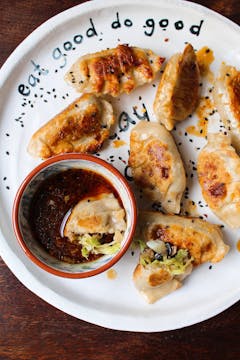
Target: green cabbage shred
(92, 244)
(140, 243)
(176, 265)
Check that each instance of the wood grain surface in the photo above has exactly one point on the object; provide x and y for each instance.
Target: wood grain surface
(31, 329)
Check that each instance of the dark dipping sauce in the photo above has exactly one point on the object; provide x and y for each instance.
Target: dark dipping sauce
(56, 196)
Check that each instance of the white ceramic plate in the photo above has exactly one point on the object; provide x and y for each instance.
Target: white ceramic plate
(33, 90)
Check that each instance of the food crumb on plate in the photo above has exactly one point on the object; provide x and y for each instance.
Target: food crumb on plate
(238, 245)
(111, 274)
(118, 143)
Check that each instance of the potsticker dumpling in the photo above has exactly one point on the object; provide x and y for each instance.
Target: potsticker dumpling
(226, 96)
(97, 223)
(100, 214)
(82, 127)
(156, 165)
(114, 71)
(171, 246)
(178, 91)
(219, 177)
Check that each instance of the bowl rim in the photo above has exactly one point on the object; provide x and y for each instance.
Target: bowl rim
(53, 160)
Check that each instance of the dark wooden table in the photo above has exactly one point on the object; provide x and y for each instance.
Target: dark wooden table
(30, 329)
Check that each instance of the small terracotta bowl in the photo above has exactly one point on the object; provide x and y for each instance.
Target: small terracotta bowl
(21, 214)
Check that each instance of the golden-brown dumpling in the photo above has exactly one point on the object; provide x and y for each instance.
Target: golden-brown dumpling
(170, 247)
(82, 127)
(178, 91)
(219, 177)
(100, 214)
(97, 224)
(156, 164)
(114, 71)
(226, 95)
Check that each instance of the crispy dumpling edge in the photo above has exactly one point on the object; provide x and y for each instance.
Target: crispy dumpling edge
(168, 202)
(82, 81)
(169, 82)
(37, 146)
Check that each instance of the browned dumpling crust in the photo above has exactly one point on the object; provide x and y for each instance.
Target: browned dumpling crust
(203, 240)
(197, 240)
(226, 96)
(154, 284)
(99, 214)
(178, 91)
(219, 178)
(82, 127)
(156, 165)
(114, 71)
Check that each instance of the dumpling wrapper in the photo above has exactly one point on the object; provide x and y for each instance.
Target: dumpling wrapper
(154, 284)
(156, 165)
(100, 214)
(178, 91)
(219, 177)
(203, 240)
(114, 71)
(226, 94)
(82, 127)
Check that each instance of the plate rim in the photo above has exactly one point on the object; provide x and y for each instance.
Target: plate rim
(32, 282)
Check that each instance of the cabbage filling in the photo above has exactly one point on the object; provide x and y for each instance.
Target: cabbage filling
(157, 253)
(99, 244)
